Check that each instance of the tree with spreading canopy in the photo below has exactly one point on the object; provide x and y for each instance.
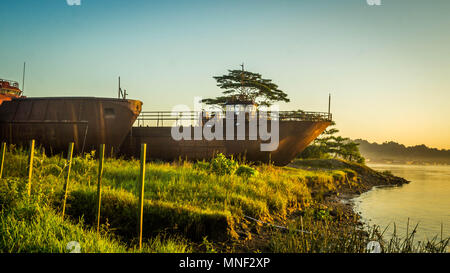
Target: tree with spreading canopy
(328, 145)
(246, 86)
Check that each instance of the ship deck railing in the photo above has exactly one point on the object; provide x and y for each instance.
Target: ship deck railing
(186, 118)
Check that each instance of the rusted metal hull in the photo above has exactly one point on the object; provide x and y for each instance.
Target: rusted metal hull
(54, 122)
(295, 136)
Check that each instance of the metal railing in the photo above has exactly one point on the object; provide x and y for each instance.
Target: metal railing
(168, 118)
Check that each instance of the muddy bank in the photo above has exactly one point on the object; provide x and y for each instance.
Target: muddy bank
(366, 178)
(335, 200)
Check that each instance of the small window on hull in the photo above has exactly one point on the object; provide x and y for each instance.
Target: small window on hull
(109, 113)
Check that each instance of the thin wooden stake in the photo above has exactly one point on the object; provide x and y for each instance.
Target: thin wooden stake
(30, 165)
(141, 192)
(101, 157)
(66, 185)
(2, 157)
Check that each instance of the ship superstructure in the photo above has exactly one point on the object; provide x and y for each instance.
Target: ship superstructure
(9, 90)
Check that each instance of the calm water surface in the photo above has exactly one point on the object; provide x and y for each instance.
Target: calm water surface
(425, 201)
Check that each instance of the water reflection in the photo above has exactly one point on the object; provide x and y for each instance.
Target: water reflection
(425, 201)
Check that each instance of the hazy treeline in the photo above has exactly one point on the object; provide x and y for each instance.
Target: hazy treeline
(399, 153)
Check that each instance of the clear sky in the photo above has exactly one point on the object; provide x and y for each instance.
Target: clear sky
(387, 67)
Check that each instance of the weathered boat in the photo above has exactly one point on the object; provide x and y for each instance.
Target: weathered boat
(296, 131)
(89, 121)
(53, 122)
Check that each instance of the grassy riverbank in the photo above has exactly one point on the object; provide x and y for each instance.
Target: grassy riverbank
(188, 207)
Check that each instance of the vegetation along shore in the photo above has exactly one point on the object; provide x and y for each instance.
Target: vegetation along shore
(223, 205)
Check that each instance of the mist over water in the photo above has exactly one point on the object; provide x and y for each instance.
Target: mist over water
(425, 201)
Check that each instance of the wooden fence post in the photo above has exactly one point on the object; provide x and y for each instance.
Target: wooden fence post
(66, 185)
(30, 165)
(2, 157)
(101, 157)
(141, 183)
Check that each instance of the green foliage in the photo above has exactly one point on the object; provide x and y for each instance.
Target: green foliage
(321, 214)
(164, 243)
(202, 166)
(327, 145)
(84, 167)
(29, 225)
(119, 210)
(314, 151)
(183, 202)
(35, 225)
(178, 195)
(222, 165)
(241, 85)
(332, 236)
(208, 246)
(246, 171)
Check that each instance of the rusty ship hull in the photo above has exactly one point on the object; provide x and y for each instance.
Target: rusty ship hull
(53, 122)
(294, 137)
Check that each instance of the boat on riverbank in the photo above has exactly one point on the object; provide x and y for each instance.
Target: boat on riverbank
(89, 121)
(296, 131)
(55, 121)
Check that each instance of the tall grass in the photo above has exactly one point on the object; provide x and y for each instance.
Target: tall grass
(183, 202)
(34, 224)
(331, 237)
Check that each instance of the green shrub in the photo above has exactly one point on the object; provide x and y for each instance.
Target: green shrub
(221, 165)
(246, 171)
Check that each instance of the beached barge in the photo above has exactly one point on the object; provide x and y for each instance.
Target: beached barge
(296, 131)
(53, 122)
(89, 121)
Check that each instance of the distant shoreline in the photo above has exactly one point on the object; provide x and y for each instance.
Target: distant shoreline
(395, 153)
(409, 163)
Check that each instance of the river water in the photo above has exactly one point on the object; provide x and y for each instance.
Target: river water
(425, 201)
